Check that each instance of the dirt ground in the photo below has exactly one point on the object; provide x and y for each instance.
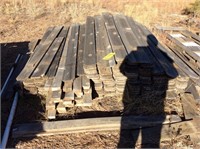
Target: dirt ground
(18, 26)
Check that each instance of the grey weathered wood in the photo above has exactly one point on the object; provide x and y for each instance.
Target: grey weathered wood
(46, 34)
(70, 65)
(54, 65)
(51, 114)
(166, 64)
(179, 62)
(89, 55)
(81, 45)
(49, 103)
(192, 89)
(57, 81)
(46, 61)
(77, 87)
(44, 37)
(181, 49)
(48, 84)
(92, 124)
(69, 96)
(38, 55)
(130, 41)
(40, 50)
(61, 108)
(56, 96)
(32, 45)
(51, 72)
(190, 34)
(157, 68)
(114, 38)
(103, 46)
(87, 100)
(85, 82)
(163, 28)
(189, 106)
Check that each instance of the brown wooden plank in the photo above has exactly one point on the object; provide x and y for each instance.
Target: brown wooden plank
(189, 106)
(70, 65)
(46, 61)
(97, 124)
(114, 38)
(81, 45)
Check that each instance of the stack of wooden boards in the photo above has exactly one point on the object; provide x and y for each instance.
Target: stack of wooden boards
(184, 49)
(108, 55)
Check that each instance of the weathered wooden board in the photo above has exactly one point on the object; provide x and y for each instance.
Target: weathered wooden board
(95, 124)
(55, 63)
(142, 40)
(89, 54)
(57, 81)
(77, 87)
(130, 41)
(61, 108)
(81, 44)
(114, 38)
(191, 88)
(163, 60)
(190, 34)
(70, 65)
(46, 61)
(179, 48)
(103, 46)
(189, 106)
(28, 68)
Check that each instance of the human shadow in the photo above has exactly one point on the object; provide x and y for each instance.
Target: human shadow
(144, 97)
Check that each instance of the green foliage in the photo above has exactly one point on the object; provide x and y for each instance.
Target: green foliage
(194, 9)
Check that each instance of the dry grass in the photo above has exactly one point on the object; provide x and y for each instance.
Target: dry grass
(18, 16)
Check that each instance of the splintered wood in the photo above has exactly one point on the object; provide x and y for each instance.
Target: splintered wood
(108, 55)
